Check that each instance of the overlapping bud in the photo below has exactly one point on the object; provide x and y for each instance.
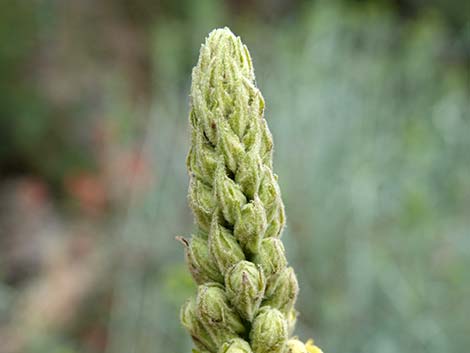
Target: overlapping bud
(251, 226)
(283, 291)
(202, 266)
(245, 285)
(236, 345)
(213, 308)
(202, 337)
(246, 294)
(224, 247)
(269, 331)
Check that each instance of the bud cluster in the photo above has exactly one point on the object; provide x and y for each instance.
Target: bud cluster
(246, 292)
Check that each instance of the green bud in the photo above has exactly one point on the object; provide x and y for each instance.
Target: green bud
(266, 144)
(249, 173)
(249, 230)
(214, 310)
(224, 247)
(270, 196)
(269, 331)
(202, 158)
(200, 114)
(230, 145)
(245, 286)
(201, 337)
(202, 203)
(240, 118)
(277, 223)
(236, 345)
(187, 314)
(291, 319)
(229, 195)
(200, 263)
(193, 166)
(271, 257)
(252, 137)
(283, 291)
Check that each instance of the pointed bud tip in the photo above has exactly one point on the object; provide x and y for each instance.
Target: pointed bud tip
(219, 38)
(222, 33)
(182, 240)
(222, 51)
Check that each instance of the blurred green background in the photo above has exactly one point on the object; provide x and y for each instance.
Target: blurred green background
(369, 105)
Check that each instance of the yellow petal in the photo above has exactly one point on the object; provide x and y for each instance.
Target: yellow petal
(295, 346)
(311, 348)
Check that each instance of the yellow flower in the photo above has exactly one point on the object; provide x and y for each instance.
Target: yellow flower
(311, 348)
(296, 346)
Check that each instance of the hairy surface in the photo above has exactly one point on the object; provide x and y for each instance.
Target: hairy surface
(246, 291)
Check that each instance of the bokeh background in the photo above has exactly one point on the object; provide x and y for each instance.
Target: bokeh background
(369, 105)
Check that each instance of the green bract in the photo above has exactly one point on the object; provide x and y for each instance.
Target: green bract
(246, 294)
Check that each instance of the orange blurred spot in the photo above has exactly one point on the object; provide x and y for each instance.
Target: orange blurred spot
(89, 190)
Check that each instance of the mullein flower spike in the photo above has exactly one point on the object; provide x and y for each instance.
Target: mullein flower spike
(246, 293)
